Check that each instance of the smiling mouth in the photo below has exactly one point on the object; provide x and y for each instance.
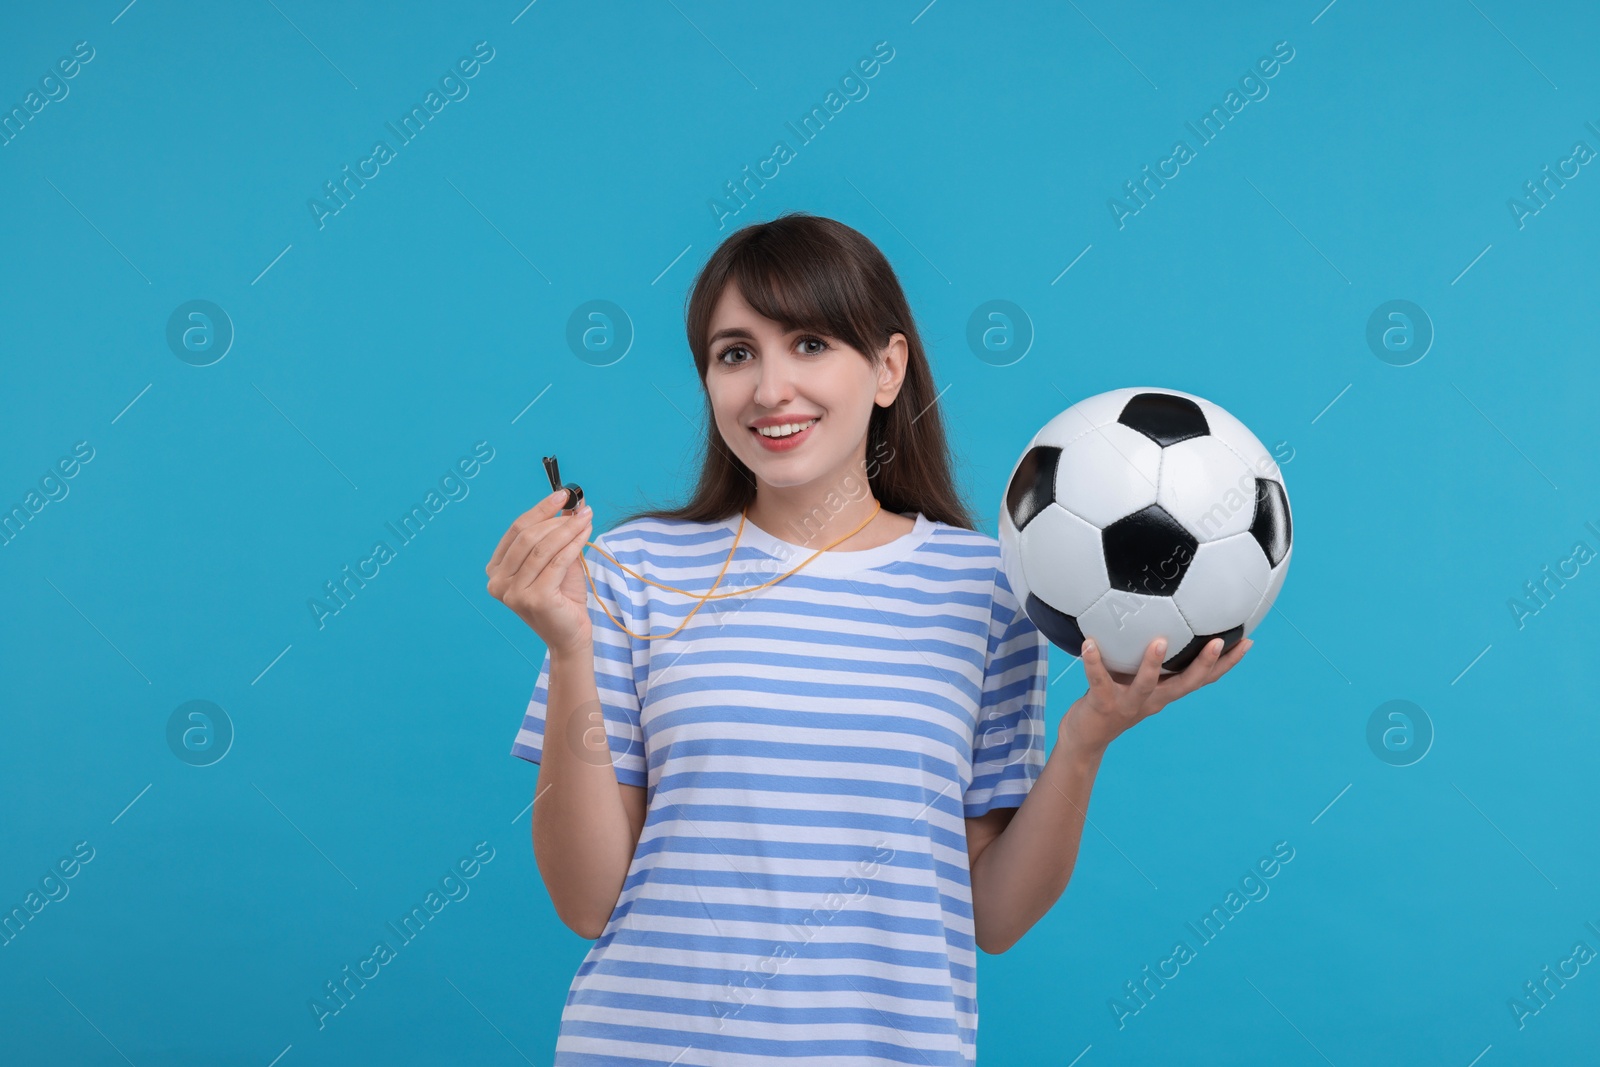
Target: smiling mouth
(788, 442)
(778, 433)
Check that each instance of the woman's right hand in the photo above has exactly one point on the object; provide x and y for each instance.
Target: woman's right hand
(535, 571)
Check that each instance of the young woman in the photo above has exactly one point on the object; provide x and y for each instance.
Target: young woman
(790, 812)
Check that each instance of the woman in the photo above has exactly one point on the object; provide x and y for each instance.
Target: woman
(791, 812)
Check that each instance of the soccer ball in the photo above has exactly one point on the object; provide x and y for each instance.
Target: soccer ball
(1141, 513)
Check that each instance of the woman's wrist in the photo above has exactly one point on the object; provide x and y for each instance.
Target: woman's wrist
(580, 652)
(1070, 737)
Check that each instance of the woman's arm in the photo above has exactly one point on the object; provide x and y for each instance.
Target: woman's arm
(585, 824)
(1019, 874)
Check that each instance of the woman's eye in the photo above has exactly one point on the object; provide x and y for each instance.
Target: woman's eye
(804, 344)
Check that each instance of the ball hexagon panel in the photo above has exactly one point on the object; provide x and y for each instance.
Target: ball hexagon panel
(1207, 488)
(1064, 563)
(1124, 624)
(1107, 474)
(1268, 595)
(1062, 430)
(1147, 552)
(1165, 418)
(1270, 526)
(1223, 584)
(1237, 436)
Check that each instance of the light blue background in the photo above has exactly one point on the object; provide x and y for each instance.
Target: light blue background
(424, 318)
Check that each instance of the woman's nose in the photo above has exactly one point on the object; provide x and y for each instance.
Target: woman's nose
(774, 383)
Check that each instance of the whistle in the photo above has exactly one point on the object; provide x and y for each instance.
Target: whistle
(574, 490)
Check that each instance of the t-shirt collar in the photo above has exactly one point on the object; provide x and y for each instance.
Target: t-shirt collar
(833, 562)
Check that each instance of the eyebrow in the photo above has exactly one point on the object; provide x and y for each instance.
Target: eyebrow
(744, 334)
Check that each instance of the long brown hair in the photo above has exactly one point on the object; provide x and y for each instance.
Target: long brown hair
(808, 272)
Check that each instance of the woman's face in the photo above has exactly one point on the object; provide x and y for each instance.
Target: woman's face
(813, 389)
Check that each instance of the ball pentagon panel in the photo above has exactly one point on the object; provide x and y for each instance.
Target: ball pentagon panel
(1147, 552)
(1165, 417)
(1270, 526)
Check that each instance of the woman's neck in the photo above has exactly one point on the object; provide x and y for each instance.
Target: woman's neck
(816, 522)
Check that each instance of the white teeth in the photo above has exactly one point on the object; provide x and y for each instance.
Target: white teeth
(785, 430)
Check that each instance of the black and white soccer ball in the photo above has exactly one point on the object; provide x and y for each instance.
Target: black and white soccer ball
(1141, 513)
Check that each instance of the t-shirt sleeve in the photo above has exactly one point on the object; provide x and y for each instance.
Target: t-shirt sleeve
(1008, 744)
(621, 669)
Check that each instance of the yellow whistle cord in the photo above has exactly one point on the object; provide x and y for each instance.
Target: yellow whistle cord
(708, 594)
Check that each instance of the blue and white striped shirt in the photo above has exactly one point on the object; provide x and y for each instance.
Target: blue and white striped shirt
(800, 891)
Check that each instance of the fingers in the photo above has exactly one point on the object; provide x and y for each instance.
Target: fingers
(547, 508)
(1207, 667)
(1094, 668)
(1149, 672)
(1227, 663)
(1199, 672)
(542, 560)
(1196, 674)
(572, 548)
(1102, 677)
(525, 556)
(522, 549)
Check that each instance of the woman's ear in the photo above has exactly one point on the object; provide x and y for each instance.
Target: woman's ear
(891, 370)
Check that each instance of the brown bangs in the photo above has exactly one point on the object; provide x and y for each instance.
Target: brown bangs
(800, 289)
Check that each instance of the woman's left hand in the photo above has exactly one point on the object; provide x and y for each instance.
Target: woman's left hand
(1115, 701)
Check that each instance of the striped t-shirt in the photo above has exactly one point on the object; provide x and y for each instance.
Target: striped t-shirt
(800, 892)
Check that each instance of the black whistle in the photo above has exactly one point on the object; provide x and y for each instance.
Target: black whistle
(574, 490)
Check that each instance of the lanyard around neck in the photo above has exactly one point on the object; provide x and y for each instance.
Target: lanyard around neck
(708, 594)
